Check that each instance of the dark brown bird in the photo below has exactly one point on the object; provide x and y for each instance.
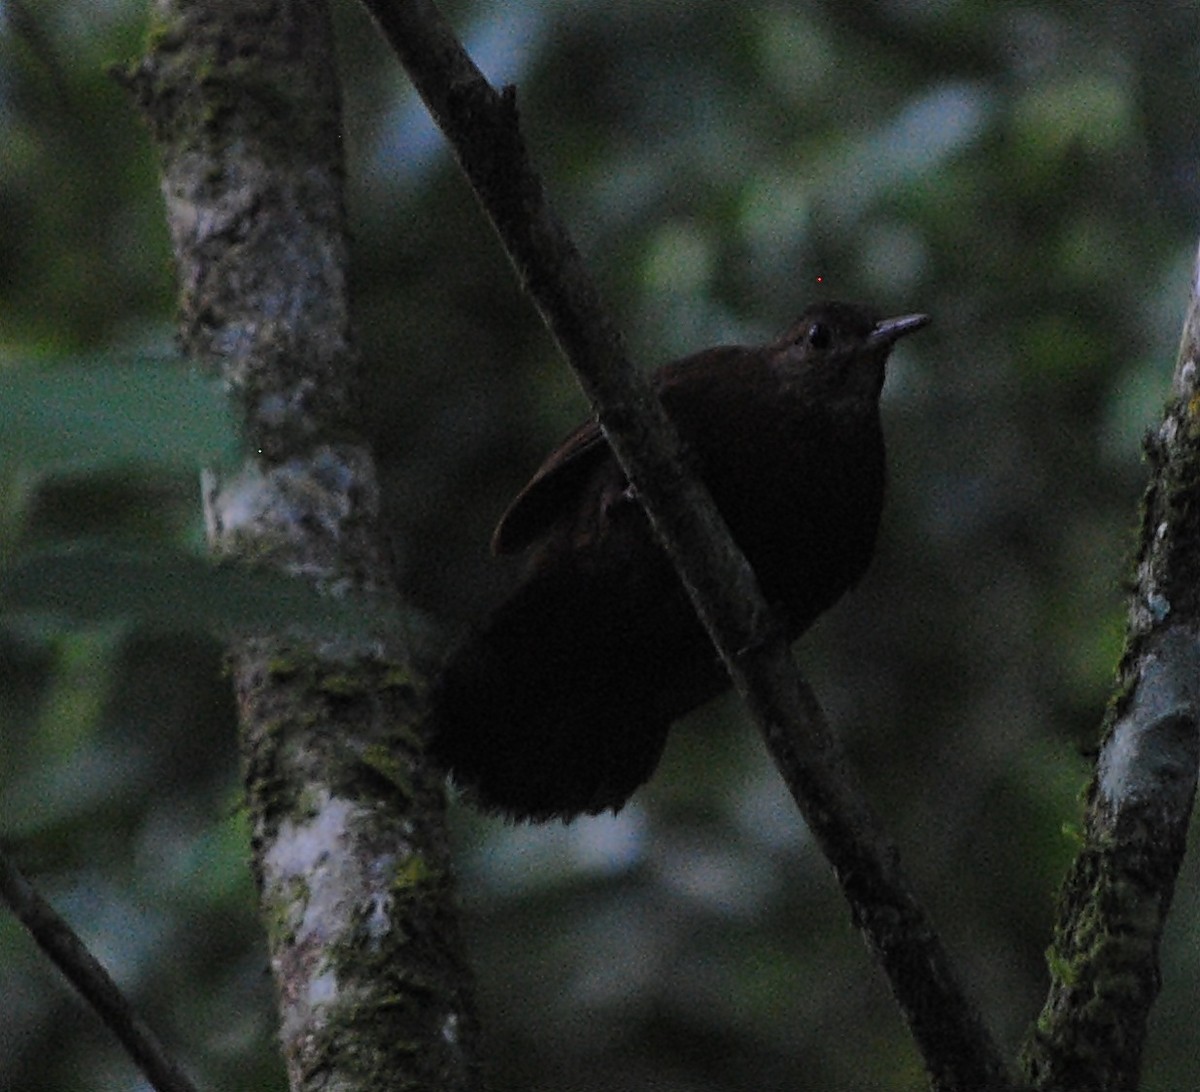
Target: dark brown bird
(560, 704)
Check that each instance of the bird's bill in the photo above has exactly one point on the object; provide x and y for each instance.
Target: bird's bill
(889, 330)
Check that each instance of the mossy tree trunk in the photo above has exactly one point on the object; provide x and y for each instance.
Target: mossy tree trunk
(349, 844)
(1104, 959)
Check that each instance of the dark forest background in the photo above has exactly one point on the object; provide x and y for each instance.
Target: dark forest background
(1026, 173)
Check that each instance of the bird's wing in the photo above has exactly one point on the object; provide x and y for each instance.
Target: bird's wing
(553, 489)
(560, 481)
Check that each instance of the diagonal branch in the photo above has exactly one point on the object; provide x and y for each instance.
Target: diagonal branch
(71, 956)
(482, 127)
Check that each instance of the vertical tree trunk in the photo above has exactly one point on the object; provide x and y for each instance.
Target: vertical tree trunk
(1104, 960)
(349, 844)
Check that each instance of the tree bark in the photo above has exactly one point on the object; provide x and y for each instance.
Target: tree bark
(349, 842)
(1104, 968)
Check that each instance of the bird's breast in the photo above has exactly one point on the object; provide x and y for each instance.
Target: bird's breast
(803, 500)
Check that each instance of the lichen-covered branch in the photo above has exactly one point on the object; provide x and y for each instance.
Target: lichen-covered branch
(482, 126)
(1103, 962)
(349, 846)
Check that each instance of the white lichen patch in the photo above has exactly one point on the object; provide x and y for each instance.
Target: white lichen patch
(308, 856)
(1152, 752)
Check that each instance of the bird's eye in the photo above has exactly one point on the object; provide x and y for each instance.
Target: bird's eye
(818, 336)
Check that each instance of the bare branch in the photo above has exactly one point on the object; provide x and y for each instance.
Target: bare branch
(482, 126)
(71, 956)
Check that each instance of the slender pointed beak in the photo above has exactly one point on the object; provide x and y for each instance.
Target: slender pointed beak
(889, 330)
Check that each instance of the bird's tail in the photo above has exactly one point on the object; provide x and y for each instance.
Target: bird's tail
(550, 710)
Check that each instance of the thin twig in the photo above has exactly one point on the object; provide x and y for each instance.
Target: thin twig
(62, 944)
(481, 125)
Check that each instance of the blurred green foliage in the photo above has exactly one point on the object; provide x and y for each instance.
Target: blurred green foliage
(1026, 173)
(102, 413)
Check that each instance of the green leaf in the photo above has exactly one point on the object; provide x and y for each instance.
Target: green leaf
(88, 415)
(97, 582)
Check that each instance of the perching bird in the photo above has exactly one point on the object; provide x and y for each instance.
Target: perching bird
(560, 704)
